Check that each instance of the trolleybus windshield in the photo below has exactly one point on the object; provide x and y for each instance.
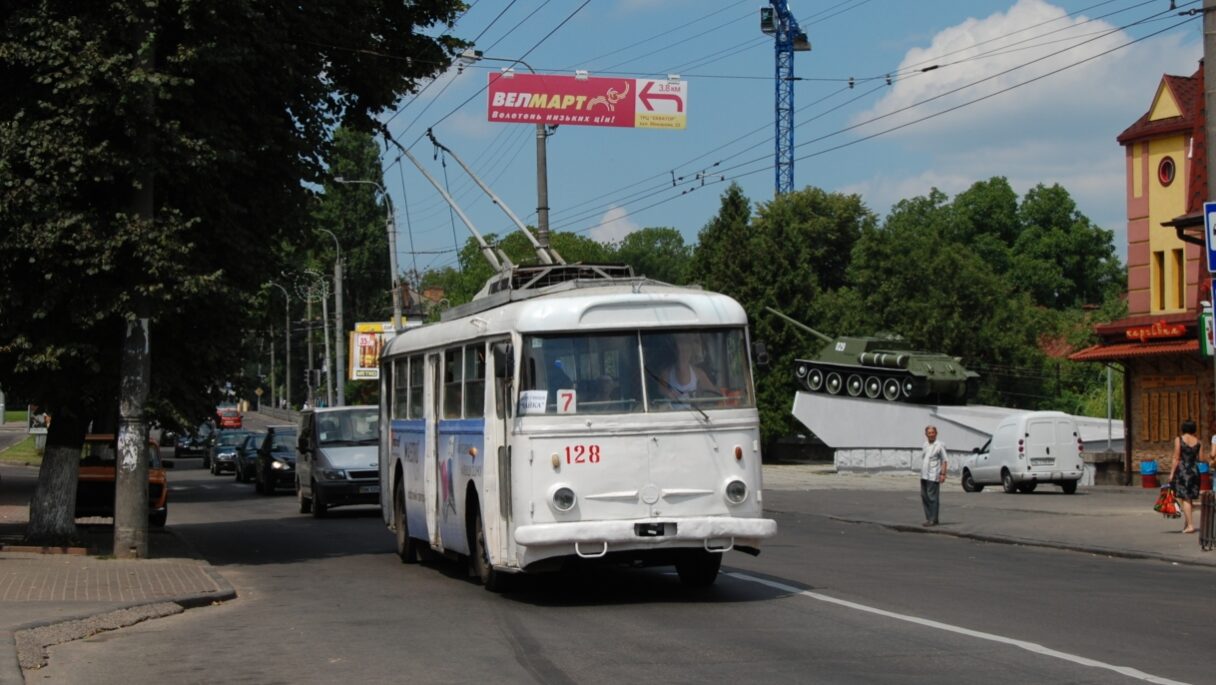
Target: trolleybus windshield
(635, 371)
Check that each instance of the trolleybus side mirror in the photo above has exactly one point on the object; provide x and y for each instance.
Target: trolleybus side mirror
(504, 360)
(760, 353)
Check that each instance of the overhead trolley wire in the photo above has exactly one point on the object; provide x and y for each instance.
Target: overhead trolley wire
(645, 194)
(903, 125)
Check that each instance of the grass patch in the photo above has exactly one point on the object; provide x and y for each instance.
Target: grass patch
(22, 453)
(14, 416)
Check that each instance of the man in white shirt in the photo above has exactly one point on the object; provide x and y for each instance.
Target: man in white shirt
(932, 474)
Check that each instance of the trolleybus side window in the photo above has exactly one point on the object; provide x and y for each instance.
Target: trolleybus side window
(474, 381)
(452, 368)
(415, 386)
(400, 398)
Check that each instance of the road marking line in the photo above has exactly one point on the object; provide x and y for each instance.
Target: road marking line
(1022, 644)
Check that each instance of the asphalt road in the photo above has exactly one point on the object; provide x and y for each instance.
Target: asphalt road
(327, 600)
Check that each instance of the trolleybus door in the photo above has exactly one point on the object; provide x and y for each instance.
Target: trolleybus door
(430, 459)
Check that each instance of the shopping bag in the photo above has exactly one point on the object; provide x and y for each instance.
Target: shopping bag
(1167, 503)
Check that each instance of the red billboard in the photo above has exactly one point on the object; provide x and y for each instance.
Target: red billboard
(583, 101)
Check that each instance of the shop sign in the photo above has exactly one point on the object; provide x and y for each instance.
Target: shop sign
(1155, 330)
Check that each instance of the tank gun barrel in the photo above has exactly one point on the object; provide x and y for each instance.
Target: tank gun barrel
(801, 326)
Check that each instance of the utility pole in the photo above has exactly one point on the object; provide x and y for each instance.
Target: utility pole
(273, 402)
(339, 330)
(777, 21)
(135, 365)
(311, 397)
(543, 132)
(286, 343)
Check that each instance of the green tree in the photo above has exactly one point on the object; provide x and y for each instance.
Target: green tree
(228, 112)
(719, 262)
(357, 214)
(658, 253)
(1062, 258)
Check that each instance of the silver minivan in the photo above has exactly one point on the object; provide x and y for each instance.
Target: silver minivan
(338, 460)
(1026, 449)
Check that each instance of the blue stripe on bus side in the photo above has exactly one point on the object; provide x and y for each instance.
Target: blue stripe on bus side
(462, 426)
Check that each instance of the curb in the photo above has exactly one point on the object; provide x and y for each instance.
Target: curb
(1023, 542)
(26, 644)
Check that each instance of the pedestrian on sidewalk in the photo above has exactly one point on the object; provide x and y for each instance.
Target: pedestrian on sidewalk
(932, 475)
(1184, 476)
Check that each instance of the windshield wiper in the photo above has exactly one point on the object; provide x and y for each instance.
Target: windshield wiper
(686, 405)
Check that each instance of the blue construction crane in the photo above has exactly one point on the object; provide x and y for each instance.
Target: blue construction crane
(778, 21)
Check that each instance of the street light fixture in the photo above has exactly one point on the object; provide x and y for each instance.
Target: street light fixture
(471, 56)
(391, 226)
(339, 329)
(287, 331)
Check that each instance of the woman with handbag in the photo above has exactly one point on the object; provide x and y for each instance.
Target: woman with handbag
(1184, 476)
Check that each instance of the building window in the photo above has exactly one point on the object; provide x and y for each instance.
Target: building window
(1166, 170)
(1179, 264)
(1158, 280)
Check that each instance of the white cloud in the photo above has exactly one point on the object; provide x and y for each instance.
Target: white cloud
(613, 226)
(1059, 129)
(468, 125)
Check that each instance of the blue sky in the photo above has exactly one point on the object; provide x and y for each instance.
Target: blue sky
(606, 182)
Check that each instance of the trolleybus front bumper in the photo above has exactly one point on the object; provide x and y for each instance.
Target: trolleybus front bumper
(713, 532)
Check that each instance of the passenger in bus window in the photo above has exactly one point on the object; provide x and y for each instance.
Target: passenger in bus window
(683, 378)
(558, 380)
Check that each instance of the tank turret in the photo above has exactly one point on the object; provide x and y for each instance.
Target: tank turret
(881, 367)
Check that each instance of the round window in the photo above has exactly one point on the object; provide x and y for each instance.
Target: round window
(1165, 171)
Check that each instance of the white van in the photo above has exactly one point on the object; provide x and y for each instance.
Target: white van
(338, 460)
(1027, 449)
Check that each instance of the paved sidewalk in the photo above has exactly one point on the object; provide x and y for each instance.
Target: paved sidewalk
(52, 598)
(1107, 520)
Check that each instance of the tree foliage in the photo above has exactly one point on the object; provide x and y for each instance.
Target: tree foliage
(229, 106)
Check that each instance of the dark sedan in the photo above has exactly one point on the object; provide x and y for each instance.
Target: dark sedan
(276, 465)
(223, 451)
(247, 456)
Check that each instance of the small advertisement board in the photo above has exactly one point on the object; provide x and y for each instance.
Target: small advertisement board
(366, 343)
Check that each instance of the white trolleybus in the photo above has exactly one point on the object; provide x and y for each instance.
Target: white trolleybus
(574, 411)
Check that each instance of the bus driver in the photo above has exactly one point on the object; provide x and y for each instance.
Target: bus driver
(683, 379)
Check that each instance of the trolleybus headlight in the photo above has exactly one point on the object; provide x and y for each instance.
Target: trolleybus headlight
(563, 499)
(736, 491)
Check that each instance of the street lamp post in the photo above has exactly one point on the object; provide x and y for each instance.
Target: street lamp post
(287, 330)
(339, 330)
(391, 226)
(542, 164)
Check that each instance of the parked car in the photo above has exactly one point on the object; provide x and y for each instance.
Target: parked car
(95, 489)
(223, 451)
(338, 460)
(247, 456)
(1026, 449)
(228, 417)
(276, 464)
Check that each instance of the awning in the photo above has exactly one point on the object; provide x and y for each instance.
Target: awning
(1130, 350)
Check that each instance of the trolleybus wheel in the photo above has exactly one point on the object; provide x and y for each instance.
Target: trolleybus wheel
(479, 559)
(407, 547)
(698, 568)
